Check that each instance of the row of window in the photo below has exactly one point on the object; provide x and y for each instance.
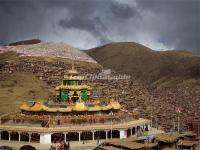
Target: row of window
(72, 82)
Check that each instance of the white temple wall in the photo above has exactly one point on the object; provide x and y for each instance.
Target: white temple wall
(123, 134)
(45, 138)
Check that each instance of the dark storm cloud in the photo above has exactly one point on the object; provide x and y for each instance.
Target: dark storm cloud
(19, 20)
(92, 13)
(94, 25)
(123, 11)
(182, 21)
(166, 24)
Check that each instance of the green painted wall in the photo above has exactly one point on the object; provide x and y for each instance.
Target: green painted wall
(84, 95)
(79, 82)
(64, 82)
(64, 95)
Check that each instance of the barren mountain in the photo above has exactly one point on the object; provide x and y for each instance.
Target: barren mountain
(148, 65)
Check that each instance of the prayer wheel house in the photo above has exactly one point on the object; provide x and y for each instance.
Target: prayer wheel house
(73, 115)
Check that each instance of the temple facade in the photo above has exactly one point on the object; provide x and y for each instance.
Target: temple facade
(74, 114)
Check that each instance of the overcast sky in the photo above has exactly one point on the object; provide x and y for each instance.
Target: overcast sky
(158, 24)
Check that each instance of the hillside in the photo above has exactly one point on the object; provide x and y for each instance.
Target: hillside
(20, 86)
(161, 69)
(47, 49)
(149, 66)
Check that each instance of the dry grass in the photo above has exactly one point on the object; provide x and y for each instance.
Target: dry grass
(17, 87)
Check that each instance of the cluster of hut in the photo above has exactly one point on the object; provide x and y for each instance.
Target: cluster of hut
(165, 141)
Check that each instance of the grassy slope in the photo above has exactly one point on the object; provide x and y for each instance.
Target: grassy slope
(17, 87)
(147, 65)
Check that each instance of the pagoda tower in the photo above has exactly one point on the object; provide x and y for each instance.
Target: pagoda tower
(72, 96)
(72, 89)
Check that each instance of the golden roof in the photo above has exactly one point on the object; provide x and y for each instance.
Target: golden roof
(80, 106)
(95, 108)
(115, 105)
(38, 107)
(73, 78)
(72, 71)
(68, 109)
(51, 109)
(25, 106)
(107, 107)
(96, 101)
(73, 87)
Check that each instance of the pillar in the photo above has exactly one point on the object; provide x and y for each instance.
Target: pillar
(19, 133)
(9, 135)
(136, 131)
(131, 131)
(122, 134)
(29, 137)
(45, 138)
(79, 136)
(65, 137)
(93, 135)
(149, 127)
(106, 135)
(111, 133)
(140, 131)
